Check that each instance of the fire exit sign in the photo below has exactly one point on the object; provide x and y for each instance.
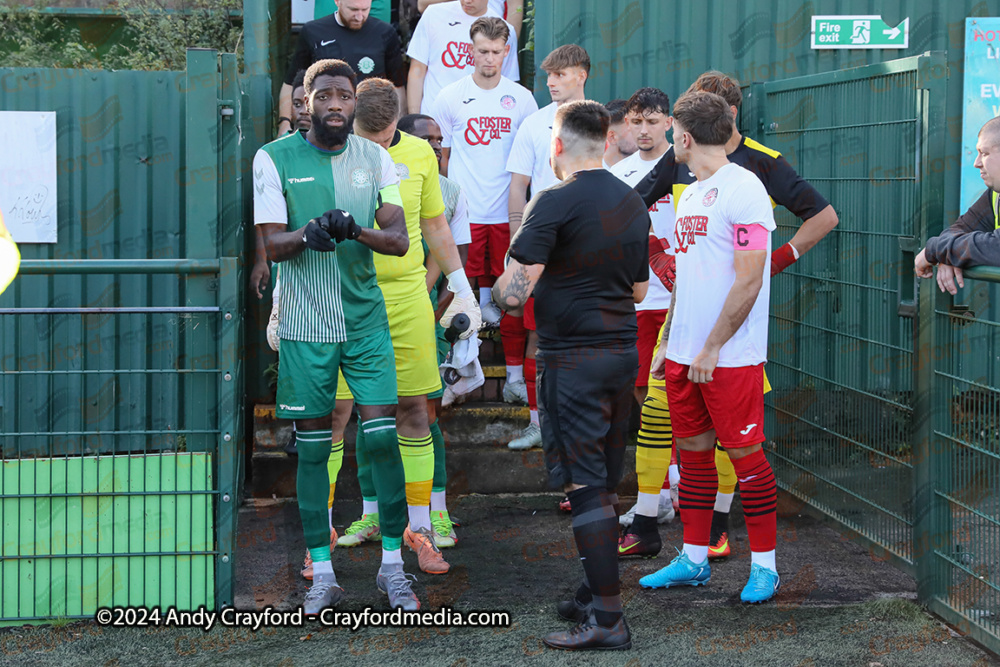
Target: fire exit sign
(858, 32)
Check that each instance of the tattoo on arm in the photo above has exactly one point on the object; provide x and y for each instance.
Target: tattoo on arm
(670, 319)
(516, 294)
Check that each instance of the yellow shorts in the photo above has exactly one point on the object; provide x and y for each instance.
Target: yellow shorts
(414, 343)
(661, 384)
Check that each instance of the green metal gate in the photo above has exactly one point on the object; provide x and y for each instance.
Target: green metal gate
(869, 368)
(121, 416)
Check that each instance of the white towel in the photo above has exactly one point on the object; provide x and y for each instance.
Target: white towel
(464, 359)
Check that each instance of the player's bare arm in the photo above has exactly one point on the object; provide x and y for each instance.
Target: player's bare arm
(284, 109)
(656, 367)
(445, 156)
(749, 266)
(515, 15)
(260, 275)
(281, 244)
(390, 238)
(512, 290)
(639, 291)
(516, 200)
(415, 85)
(814, 229)
(441, 243)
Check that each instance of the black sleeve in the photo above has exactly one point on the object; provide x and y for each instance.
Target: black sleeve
(971, 241)
(302, 58)
(394, 69)
(788, 189)
(642, 268)
(534, 241)
(659, 182)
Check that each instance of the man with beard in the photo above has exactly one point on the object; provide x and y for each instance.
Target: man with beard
(260, 275)
(620, 143)
(331, 188)
(411, 323)
(370, 46)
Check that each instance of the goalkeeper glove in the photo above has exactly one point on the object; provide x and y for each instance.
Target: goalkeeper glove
(782, 258)
(664, 266)
(464, 302)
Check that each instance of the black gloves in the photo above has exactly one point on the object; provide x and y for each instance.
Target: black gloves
(340, 225)
(317, 238)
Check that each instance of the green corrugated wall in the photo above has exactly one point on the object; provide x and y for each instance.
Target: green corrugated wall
(635, 43)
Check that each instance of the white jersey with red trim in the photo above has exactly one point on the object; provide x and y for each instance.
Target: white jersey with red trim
(532, 145)
(632, 170)
(479, 127)
(441, 41)
(710, 214)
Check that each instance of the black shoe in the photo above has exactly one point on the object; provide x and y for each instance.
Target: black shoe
(590, 636)
(574, 610)
(291, 447)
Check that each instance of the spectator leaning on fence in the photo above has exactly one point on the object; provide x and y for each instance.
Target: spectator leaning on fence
(371, 47)
(974, 239)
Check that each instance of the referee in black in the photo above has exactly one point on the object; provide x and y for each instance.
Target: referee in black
(371, 47)
(583, 250)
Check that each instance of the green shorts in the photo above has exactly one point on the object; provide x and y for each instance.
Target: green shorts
(307, 374)
(411, 328)
(443, 346)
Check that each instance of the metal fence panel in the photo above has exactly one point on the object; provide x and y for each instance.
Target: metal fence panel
(122, 377)
(885, 412)
(963, 550)
(841, 347)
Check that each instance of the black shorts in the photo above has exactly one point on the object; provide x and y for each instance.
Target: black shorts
(584, 402)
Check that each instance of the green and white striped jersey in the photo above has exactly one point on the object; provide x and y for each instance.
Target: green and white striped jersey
(326, 297)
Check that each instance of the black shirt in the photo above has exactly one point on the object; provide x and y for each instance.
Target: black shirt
(782, 182)
(372, 51)
(592, 234)
(973, 240)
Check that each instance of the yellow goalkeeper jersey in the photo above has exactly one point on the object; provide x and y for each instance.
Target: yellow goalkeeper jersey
(402, 278)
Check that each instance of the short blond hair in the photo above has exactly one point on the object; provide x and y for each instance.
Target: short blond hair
(566, 56)
(490, 27)
(377, 105)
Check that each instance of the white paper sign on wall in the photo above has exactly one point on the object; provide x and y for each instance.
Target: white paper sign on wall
(28, 194)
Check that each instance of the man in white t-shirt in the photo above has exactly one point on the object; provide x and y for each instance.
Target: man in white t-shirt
(648, 118)
(440, 51)
(479, 117)
(511, 11)
(715, 344)
(647, 113)
(567, 68)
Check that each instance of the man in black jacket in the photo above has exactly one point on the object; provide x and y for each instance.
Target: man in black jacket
(974, 239)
